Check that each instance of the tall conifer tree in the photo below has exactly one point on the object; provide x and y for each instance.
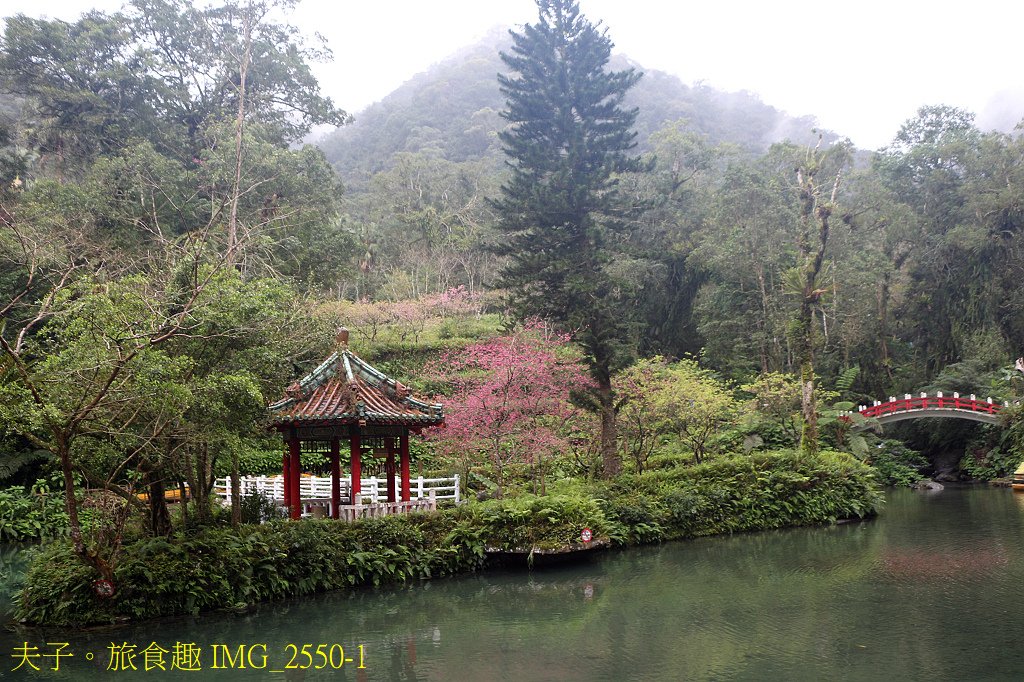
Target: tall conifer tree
(561, 210)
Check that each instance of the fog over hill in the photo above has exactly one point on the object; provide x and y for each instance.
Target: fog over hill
(452, 109)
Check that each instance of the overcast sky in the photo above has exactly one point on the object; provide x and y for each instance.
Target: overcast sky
(861, 68)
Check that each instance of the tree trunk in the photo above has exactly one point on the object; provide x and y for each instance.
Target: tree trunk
(764, 318)
(611, 463)
(88, 556)
(814, 216)
(543, 481)
(236, 491)
(159, 516)
(200, 491)
(243, 72)
(809, 410)
(808, 400)
(499, 490)
(184, 492)
(884, 294)
(883, 326)
(808, 397)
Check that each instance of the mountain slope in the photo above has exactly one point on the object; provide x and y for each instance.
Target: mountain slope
(452, 110)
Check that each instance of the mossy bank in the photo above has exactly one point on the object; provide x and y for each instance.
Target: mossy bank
(222, 569)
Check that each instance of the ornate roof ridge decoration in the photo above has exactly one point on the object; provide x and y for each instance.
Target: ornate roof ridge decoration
(344, 388)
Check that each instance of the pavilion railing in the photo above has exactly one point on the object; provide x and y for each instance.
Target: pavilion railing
(318, 488)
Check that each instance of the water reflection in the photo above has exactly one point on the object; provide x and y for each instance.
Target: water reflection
(926, 591)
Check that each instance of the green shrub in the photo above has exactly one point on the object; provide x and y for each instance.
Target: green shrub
(741, 493)
(257, 507)
(35, 514)
(218, 568)
(1011, 441)
(985, 465)
(638, 517)
(668, 460)
(896, 464)
(254, 462)
(267, 461)
(215, 568)
(531, 521)
(59, 588)
(997, 451)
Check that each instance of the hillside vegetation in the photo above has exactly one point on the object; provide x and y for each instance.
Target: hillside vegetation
(452, 110)
(657, 299)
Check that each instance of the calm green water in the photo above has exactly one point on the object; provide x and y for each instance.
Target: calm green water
(930, 590)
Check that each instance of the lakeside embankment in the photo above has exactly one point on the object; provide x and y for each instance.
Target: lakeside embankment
(220, 568)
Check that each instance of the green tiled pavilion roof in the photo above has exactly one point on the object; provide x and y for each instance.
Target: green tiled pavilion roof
(345, 389)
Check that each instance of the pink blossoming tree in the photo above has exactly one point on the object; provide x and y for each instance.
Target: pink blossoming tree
(510, 401)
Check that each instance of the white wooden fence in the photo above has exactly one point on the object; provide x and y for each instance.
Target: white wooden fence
(318, 488)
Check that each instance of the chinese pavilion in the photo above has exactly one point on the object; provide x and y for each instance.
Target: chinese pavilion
(347, 398)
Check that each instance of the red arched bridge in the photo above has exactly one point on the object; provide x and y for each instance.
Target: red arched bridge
(938, 405)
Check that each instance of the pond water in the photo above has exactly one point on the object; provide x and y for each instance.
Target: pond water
(929, 590)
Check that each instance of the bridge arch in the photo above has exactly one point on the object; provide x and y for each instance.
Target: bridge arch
(936, 406)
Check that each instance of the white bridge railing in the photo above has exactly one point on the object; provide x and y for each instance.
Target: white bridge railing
(318, 489)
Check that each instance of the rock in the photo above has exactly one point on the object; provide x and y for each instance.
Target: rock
(928, 485)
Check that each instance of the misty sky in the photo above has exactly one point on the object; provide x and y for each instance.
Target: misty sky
(861, 68)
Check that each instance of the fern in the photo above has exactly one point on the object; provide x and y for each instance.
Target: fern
(846, 378)
(12, 463)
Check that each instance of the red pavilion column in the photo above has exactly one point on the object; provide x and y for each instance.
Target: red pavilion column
(295, 471)
(403, 445)
(286, 473)
(357, 469)
(389, 468)
(335, 477)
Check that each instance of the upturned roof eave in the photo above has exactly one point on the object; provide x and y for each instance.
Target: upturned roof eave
(350, 419)
(372, 378)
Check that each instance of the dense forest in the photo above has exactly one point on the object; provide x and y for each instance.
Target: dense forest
(172, 255)
(921, 265)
